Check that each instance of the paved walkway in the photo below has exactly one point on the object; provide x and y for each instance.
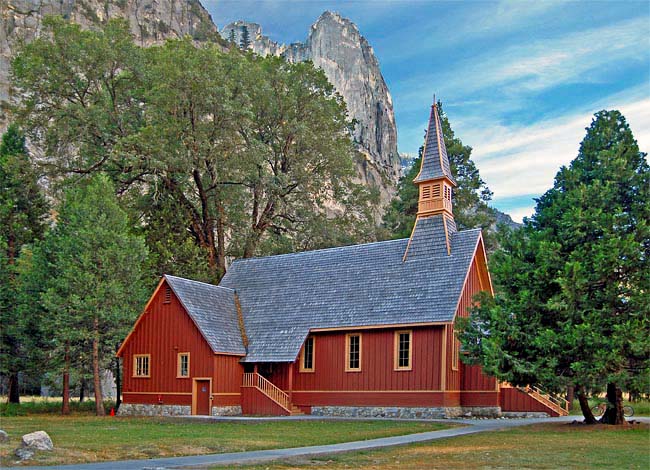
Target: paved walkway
(198, 461)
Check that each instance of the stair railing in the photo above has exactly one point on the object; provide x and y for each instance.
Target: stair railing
(252, 379)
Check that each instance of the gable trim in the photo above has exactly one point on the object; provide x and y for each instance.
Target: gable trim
(479, 242)
(187, 312)
(137, 322)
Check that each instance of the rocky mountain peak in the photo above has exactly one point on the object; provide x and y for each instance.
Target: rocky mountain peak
(151, 22)
(335, 44)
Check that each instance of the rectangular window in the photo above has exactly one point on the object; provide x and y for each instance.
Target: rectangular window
(141, 365)
(183, 365)
(436, 191)
(454, 355)
(307, 359)
(426, 192)
(168, 295)
(353, 352)
(403, 348)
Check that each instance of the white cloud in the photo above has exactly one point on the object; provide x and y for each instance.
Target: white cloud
(516, 72)
(523, 160)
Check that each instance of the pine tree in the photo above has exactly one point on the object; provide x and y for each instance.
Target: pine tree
(23, 212)
(245, 41)
(572, 304)
(231, 36)
(95, 290)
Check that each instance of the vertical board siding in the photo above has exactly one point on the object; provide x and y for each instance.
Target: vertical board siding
(472, 287)
(513, 399)
(254, 402)
(377, 363)
(165, 330)
(227, 380)
(475, 379)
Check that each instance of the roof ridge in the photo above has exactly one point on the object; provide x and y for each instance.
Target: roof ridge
(320, 250)
(196, 282)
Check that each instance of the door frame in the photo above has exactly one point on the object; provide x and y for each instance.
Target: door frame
(195, 395)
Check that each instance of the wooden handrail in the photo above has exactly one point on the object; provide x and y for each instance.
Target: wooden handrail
(560, 405)
(253, 379)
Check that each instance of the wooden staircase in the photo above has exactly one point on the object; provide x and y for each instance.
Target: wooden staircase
(273, 393)
(557, 404)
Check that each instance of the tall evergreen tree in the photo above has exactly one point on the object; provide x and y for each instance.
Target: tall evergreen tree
(572, 305)
(96, 288)
(23, 211)
(245, 41)
(231, 36)
(470, 197)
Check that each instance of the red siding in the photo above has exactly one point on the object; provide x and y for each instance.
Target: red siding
(475, 379)
(165, 330)
(377, 363)
(254, 402)
(455, 379)
(227, 380)
(513, 399)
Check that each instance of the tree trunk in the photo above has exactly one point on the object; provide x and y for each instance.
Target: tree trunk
(570, 396)
(614, 412)
(99, 399)
(118, 384)
(14, 388)
(584, 406)
(65, 402)
(82, 390)
(221, 240)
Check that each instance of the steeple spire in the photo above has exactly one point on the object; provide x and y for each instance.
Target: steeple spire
(435, 217)
(435, 180)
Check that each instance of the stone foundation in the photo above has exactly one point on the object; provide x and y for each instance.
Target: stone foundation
(226, 410)
(524, 414)
(407, 413)
(136, 409)
(132, 409)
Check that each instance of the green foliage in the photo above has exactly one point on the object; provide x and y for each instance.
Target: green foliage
(572, 306)
(470, 197)
(92, 266)
(23, 211)
(219, 154)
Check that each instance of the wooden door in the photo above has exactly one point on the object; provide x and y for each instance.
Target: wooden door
(201, 397)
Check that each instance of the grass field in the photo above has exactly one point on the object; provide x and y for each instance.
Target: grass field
(543, 446)
(641, 407)
(80, 438)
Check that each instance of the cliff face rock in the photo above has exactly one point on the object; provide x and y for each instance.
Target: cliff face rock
(335, 44)
(152, 21)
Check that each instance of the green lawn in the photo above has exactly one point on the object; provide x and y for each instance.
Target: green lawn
(87, 438)
(543, 446)
(641, 407)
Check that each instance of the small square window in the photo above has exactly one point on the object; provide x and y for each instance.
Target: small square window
(141, 365)
(183, 365)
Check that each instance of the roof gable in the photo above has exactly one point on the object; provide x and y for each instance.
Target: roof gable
(285, 296)
(214, 311)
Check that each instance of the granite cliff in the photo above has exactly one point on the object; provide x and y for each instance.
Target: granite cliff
(151, 21)
(335, 44)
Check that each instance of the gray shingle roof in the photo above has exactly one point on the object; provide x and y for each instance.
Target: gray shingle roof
(283, 296)
(214, 311)
(435, 162)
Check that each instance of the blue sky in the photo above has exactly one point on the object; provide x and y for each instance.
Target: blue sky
(518, 80)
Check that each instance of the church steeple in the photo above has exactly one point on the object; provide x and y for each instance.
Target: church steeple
(434, 224)
(435, 181)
